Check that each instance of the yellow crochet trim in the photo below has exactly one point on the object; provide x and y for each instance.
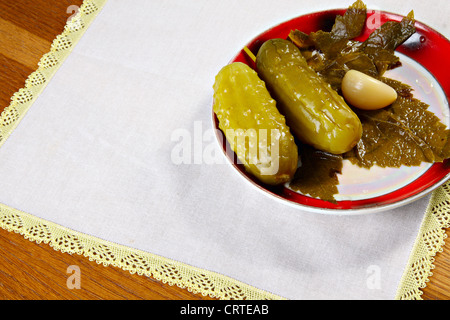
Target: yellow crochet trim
(135, 261)
(103, 252)
(61, 47)
(429, 242)
(430, 239)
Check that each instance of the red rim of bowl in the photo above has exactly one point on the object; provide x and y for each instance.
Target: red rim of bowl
(427, 47)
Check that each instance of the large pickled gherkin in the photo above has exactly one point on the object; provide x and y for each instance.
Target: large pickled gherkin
(253, 126)
(316, 114)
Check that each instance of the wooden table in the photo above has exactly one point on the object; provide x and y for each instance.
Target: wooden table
(36, 271)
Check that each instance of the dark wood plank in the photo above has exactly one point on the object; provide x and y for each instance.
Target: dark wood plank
(439, 286)
(12, 77)
(21, 45)
(42, 18)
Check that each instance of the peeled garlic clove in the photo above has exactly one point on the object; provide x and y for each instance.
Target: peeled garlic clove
(365, 92)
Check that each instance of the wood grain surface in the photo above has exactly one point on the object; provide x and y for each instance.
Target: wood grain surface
(36, 271)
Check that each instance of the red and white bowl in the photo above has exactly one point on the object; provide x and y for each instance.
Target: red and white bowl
(425, 66)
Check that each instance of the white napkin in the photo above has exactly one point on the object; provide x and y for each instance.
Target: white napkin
(95, 155)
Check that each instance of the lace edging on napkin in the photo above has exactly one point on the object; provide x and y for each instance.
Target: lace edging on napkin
(430, 241)
(168, 271)
(61, 47)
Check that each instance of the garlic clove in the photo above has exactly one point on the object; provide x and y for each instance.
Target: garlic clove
(365, 92)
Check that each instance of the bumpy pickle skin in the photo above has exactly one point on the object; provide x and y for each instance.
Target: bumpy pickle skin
(253, 126)
(316, 114)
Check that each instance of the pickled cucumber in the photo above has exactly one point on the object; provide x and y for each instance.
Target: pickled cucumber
(316, 114)
(253, 126)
